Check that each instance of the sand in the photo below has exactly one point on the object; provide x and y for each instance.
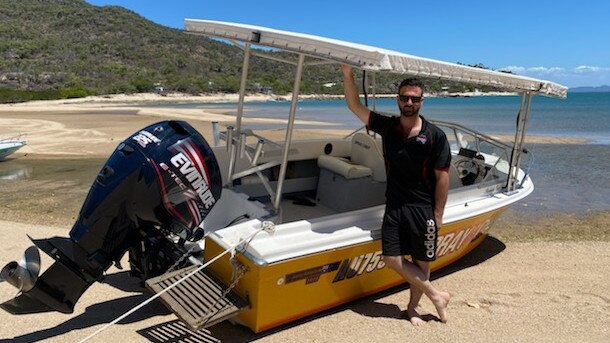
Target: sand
(544, 279)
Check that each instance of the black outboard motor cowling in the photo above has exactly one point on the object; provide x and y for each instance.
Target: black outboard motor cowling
(162, 179)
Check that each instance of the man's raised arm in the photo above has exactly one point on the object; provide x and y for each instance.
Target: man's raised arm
(352, 97)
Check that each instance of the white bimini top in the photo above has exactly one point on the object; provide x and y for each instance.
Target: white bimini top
(371, 58)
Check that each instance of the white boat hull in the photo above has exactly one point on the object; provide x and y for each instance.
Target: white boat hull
(9, 146)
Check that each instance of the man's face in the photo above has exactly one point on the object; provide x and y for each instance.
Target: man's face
(409, 100)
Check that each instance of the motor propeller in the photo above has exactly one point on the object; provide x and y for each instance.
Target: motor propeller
(23, 275)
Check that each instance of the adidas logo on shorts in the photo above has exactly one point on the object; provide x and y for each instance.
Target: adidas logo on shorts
(430, 238)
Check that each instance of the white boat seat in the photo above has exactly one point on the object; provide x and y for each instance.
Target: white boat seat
(355, 183)
(344, 167)
(365, 151)
(366, 160)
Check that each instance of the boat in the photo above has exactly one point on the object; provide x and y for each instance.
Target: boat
(262, 232)
(9, 146)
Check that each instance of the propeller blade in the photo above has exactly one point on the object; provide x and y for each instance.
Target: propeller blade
(30, 264)
(23, 275)
(10, 273)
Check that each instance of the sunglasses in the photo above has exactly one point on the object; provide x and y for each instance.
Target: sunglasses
(414, 99)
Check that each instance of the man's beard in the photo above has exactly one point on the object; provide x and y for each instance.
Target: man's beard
(409, 111)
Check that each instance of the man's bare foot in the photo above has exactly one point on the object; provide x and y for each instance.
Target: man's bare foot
(415, 318)
(441, 303)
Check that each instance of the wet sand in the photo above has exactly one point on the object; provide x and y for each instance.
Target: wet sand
(538, 278)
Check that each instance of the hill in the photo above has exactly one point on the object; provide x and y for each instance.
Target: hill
(57, 44)
(600, 89)
(69, 48)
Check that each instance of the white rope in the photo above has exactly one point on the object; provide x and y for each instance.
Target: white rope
(147, 301)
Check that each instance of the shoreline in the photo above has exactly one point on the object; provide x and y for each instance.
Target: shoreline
(13, 117)
(175, 97)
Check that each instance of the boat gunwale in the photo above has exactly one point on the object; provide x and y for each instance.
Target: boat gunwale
(454, 213)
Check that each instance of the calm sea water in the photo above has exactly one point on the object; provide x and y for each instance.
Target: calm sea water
(581, 115)
(567, 177)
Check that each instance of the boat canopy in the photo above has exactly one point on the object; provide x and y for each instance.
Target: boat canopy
(372, 58)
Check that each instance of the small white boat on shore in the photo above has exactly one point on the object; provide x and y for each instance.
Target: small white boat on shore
(9, 146)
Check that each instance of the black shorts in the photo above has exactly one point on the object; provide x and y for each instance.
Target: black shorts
(409, 230)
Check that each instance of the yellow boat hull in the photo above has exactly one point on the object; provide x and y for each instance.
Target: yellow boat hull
(284, 291)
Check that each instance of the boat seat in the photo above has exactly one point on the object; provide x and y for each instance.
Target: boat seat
(344, 167)
(365, 160)
(349, 184)
(366, 152)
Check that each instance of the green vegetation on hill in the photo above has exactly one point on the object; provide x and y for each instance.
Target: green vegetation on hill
(53, 49)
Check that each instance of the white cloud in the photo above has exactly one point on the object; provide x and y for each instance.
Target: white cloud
(545, 70)
(579, 76)
(533, 70)
(590, 69)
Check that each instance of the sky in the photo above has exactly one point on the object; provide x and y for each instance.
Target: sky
(561, 41)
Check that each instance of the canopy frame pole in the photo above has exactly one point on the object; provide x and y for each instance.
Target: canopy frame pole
(242, 88)
(289, 128)
(240, 112)
(518, 150)
(373, 87)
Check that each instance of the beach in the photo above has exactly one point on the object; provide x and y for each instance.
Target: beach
(538, 277)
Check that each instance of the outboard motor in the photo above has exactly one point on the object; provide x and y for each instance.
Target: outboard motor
(149, 198)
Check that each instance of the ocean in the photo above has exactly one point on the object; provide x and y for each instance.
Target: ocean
(581, 115)
(568, 178)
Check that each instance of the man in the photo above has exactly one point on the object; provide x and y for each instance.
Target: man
(417, 159)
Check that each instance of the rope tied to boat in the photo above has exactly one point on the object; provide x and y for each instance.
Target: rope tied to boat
(265, 226)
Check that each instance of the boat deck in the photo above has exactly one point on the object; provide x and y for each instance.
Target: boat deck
(302, 207)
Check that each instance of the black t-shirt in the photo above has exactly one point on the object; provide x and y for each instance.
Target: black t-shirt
(410, 162)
